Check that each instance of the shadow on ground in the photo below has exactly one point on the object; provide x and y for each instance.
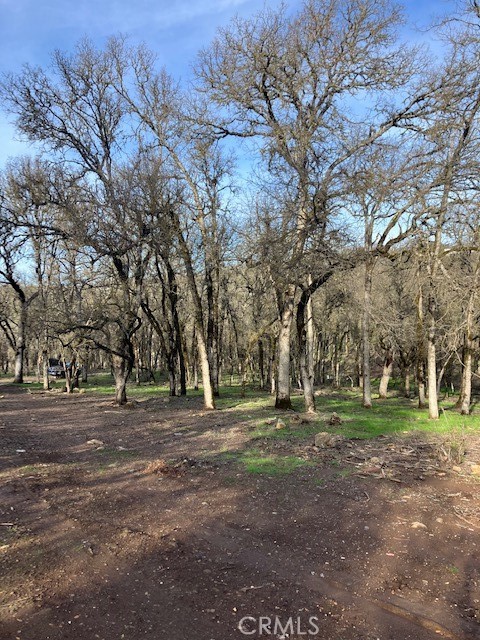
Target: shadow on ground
(159, 531)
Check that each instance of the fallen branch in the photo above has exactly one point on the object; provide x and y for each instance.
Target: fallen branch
(261, 586)
(464, 519)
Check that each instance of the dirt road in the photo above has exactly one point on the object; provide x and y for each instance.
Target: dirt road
(134, 523)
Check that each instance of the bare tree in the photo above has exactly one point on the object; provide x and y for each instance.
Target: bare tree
(15, 249)
(286, 81)
(195, 160)
(454, 140)
(75, 111)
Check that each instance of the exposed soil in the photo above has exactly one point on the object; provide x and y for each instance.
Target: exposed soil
(133, 523)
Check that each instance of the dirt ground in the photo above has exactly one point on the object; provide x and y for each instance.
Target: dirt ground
(132, 523)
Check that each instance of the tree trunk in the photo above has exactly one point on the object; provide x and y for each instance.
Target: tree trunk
(367, 309)
(271, 366)
(441, 374)
(420, 368)
(208, 398)
(467, 383)
(386, 375)
(422, 402)
(261, 365)
(172, 383)
(183, 370)
(336, 364)
(121, 373)
(205, 368)
(305, 370)
(459, 402)
(138, 363)
(172, 368)
(406, 383)
(283, 400)
(321, 360)
(177, 342)
(195, 373)
(168, 346)
(46, 381)
(85, 364)
(67, 369)
(466, 394)
(212, 332)
(122, 365)
(193, 360)
(20, 343)
(310, 338)
(359, 371)
(432, 362)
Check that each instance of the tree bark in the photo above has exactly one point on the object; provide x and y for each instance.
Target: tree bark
(433, 411)
(208, 398)
(283, 400)
(420, 367)
(20, 342)
(122, 360)
(386, 375)
(467, 383)
(138, 363)
(465, 399)
(367, 309)
(169, 348)
(310, 337)
(406, 383)
(213, 328)
(120, 373)
(336, 362)
(466, 394)
(261, 364)
(271, 366)
(44, 363)
(422, 401)
(306, 375)
(194, 359)
(459, 402)
(85, 364)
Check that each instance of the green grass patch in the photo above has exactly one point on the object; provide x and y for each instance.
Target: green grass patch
(8, 534)
(394, 416)
(34, 468)
(34, 386)
(258, 462)
(344, 473)
(114, 455)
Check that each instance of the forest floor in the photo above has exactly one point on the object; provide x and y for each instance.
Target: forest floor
(161, 520)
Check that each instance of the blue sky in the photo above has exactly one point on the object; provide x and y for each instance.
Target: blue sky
(175, 29)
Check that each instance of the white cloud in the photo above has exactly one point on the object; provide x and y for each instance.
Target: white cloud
(113, 15)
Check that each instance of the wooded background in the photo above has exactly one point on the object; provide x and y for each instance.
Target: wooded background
(137, 239)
